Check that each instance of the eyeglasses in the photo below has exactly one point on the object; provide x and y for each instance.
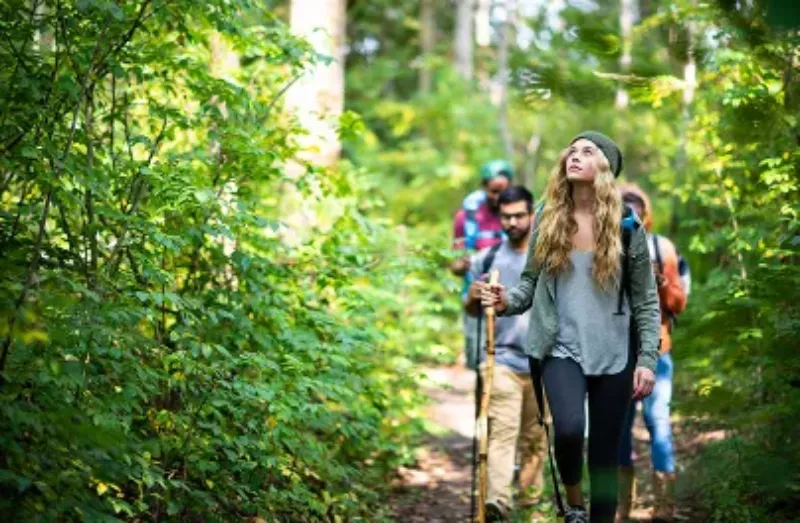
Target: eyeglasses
(516, 216)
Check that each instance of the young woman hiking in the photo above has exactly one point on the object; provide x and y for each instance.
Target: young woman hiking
(590, 332)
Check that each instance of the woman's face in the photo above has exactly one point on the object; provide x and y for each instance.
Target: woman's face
(581, 161)
(493, 188)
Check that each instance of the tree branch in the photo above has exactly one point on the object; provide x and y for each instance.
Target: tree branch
(280, 94)
(137, 274)
(113, 259)
(100, 67)
(126, 38)
(7, 177)
(64, 222)
(90, 231)
(13, 232)
(37, 251)
(126, 130)
(112, 118)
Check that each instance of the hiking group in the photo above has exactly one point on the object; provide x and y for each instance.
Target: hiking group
(586, 300)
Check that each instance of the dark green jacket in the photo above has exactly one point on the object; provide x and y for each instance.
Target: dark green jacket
(536, 290)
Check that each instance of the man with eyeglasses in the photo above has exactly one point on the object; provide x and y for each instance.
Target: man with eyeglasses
(513, 411)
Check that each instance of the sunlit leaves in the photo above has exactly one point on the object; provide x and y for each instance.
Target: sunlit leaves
(171, 358)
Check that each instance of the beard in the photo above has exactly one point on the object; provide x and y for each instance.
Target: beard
(515, 234)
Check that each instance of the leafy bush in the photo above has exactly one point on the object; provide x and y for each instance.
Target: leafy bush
(171, 349)
(737, 342)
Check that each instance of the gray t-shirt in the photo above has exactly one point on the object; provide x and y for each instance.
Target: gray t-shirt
(510, 331)
(588, 330)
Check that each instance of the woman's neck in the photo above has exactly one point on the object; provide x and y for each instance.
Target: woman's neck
(583, 214)
(583, 197)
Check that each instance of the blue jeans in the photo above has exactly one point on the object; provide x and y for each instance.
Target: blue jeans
(655, 409)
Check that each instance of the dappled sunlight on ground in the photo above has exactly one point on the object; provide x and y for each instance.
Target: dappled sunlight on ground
(437, 488)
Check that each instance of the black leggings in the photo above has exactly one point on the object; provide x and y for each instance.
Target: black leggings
(609, 397)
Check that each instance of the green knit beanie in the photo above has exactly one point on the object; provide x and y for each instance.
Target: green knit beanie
(605, 144)
(494, 168)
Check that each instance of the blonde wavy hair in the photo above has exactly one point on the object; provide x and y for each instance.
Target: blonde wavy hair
(557, 224)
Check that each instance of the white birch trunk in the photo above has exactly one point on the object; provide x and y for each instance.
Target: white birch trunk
(627, 13)
(428, 37)
(689, 86)
(317, 99)
(504, 78)
(463, 44)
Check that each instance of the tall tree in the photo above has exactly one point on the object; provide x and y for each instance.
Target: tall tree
(627, 13)
(483, 26)
(503, 74)
(689, 84)
(483, 39)
(463, 43)
(317, 98)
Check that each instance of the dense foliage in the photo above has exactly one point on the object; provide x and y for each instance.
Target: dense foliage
(194, 326)
(167, 351)
(741, 222)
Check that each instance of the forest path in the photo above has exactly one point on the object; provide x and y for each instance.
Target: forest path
(437, 488)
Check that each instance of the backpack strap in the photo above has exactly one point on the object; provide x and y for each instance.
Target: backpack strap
(657, 252)
(629, 223)
(488, 261)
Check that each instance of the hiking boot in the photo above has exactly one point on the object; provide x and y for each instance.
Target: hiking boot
(626, 494)
(576, 514)
(664, 494)
(496, 511)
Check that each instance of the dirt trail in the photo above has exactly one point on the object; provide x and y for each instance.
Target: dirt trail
(437, 488)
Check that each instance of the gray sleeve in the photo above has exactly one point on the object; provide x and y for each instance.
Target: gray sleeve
(520, 297)
(644, 300)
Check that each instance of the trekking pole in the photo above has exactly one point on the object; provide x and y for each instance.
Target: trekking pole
(483, 418)
(478, 388)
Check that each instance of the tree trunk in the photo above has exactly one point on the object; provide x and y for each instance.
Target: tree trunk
(689, 85)
(627, 14)
(483, 23)
(463, 38)
(317, 99)
(428, 37)
(503, 80)
(224, 62)
(483, 39)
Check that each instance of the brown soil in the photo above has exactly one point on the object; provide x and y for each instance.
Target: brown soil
(437, 488)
